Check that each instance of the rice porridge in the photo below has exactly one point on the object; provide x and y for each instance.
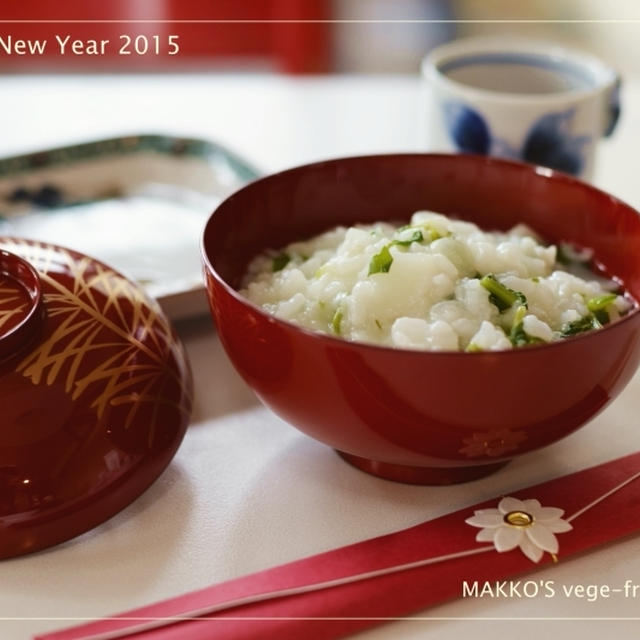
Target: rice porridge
(434, 284)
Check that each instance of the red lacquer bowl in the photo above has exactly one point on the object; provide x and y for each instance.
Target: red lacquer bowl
(432, 418)
(95, 394)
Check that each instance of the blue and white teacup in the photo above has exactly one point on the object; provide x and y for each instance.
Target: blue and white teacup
(520, 99)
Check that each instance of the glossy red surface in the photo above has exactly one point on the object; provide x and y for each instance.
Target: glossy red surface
(95, 394)
(415, 416)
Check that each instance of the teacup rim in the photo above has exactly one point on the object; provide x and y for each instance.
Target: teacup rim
(604, 76)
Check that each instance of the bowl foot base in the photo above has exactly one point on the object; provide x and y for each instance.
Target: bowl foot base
(421, 475)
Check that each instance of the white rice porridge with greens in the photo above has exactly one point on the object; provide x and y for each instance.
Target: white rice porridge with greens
(434, 284)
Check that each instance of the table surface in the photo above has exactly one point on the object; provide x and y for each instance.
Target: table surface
(246, 491)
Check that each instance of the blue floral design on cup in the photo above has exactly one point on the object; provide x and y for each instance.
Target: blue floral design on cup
(614, 107)
(467, 128)
(548, 142)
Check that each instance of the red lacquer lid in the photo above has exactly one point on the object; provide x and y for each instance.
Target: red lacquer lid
(95, 394)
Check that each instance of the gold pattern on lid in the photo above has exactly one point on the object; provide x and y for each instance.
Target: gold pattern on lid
(95, 310)
(13, 306)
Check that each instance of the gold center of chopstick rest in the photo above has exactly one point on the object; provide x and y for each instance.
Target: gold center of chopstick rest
(519, 519)
(526, 524)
